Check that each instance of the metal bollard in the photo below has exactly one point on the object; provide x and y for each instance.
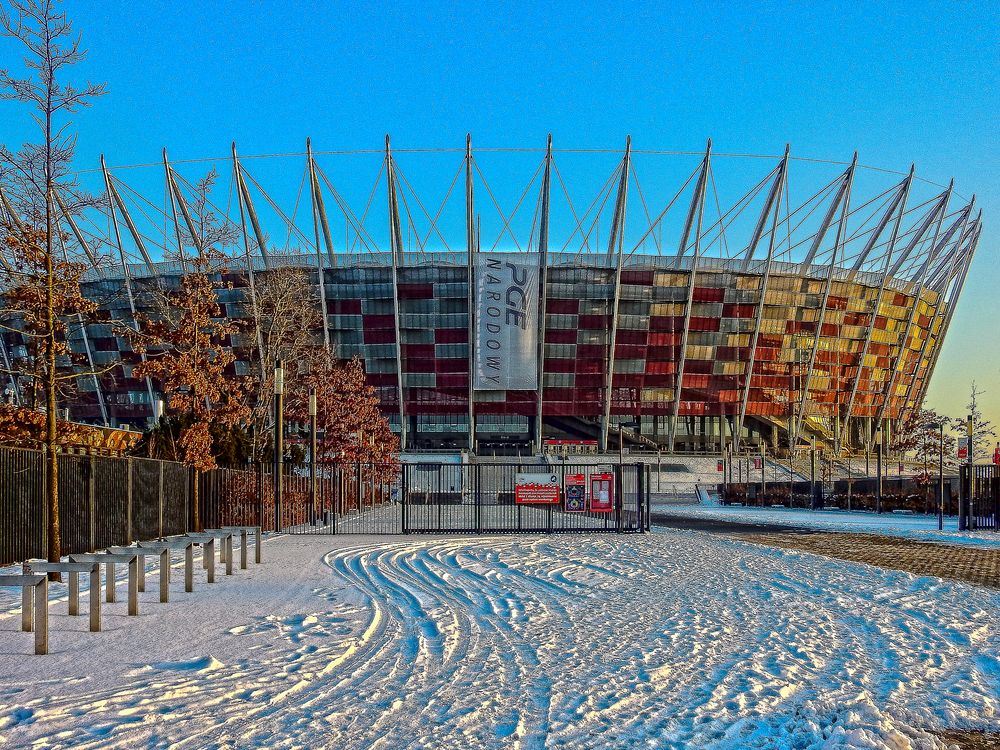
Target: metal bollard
(95, 599)
(133, 587)
(42, 616)
(165, 575)
(189, 568)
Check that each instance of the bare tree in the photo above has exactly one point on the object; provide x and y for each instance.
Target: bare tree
(50, 47)
(210, 230)
(983, 431)
(288, 314)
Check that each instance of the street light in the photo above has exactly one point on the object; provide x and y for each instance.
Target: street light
(878, 469)
(940, 427)
(279, 438)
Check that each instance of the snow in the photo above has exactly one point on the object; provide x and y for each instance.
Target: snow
(916, 527)
(668, 640)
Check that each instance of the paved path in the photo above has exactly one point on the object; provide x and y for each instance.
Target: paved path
(964, 563)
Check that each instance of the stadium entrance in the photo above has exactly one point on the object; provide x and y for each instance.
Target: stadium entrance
(435, 498)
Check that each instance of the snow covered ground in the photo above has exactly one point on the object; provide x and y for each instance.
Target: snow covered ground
(669, 640)
(917, 527)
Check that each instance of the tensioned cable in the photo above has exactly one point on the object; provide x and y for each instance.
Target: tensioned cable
(445, 150)
(645, 208)
(506, 220)
(360, 233)
(572, 208)
(433, 221)
(585, 236)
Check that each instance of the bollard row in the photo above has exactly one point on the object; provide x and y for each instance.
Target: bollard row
(33, 581)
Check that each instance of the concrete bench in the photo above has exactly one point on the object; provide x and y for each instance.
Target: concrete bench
(38, 585)
(34, 567)
(110, 560)
(244, 531)
(164, 548)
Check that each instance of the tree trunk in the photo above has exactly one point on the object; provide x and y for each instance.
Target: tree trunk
(195, 500)
(51, 404)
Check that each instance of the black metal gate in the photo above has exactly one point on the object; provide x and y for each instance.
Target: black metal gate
(452, 498)
(980, 497)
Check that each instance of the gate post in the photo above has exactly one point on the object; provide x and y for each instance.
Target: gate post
(160, 497)
(964, 486)
(478, 496)
(404, 492)
(92, 499)
(128, 500)
(640, 501)
(619, 496)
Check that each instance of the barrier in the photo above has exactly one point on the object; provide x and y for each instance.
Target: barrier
(32, 567)
(38, 585)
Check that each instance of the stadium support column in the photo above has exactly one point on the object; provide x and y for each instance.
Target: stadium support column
(844, 202)
(953, 300)
(320, 274)
(898, 208)
(616, 246)
(963, 222)
(470, 248)
(904, 341)
(773, 202)
(251, 281)
(247, 201)
(396, 246)
(543, 261)
(12, 219)
(83, 327)
(126, 276)
(696, 211)
(178, 197)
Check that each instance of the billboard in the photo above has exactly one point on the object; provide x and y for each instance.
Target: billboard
(506, 322)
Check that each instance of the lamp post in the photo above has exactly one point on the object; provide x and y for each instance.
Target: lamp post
(763, 463)
(939, 426)
(279, 438)
(312, 453)
(878, 469)
(812, 473)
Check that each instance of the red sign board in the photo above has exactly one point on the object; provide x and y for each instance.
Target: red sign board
(758, 464)
(721, 466)
(536, 489)
(602, 493)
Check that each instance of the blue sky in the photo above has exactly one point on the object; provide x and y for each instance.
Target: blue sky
(899, 82)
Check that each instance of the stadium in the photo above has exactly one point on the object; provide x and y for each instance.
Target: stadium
(505, 300)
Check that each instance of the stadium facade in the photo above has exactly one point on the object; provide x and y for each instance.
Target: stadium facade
(761, 321)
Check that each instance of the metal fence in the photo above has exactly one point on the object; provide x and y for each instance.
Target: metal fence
(980, 497)
(863, 494)
(103, 501)
(427, 497)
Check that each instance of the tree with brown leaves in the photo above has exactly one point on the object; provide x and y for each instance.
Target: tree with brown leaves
(188, 354)
(354, 430)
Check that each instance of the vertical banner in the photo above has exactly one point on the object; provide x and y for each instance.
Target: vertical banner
(963, 448)
(506, 322)
(576, 493)
(602, 493)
